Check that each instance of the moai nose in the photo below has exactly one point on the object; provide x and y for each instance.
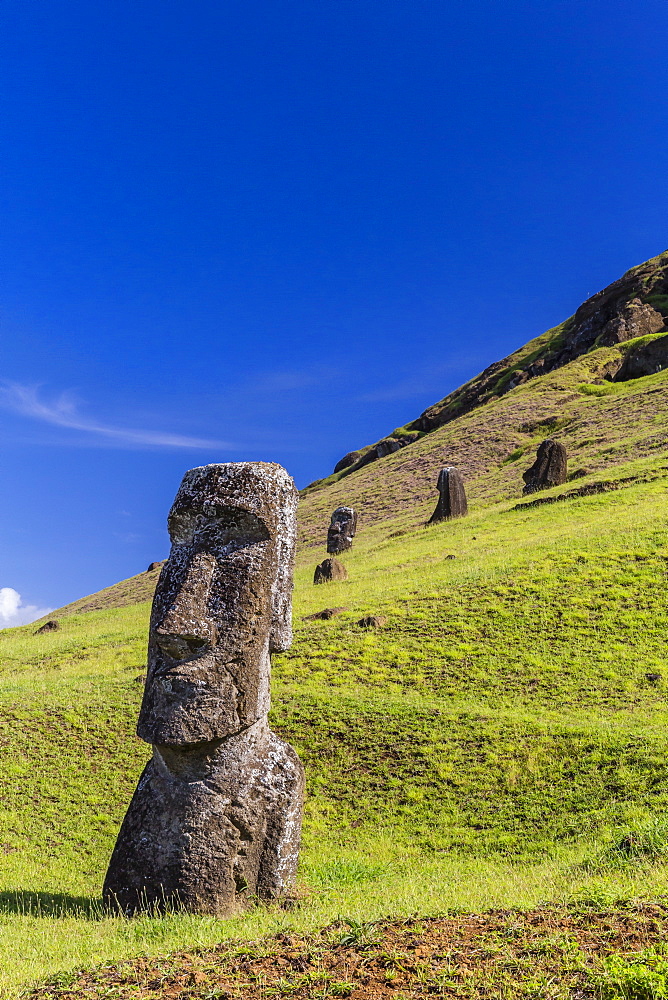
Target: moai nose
(187, 630)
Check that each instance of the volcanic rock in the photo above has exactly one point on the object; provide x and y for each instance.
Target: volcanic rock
(50, 626)
(216, 817)
(372, 621)
(452, 499)
(549, 469)
(341, 531)
(324, 615)
(647, 359)
(330, 570)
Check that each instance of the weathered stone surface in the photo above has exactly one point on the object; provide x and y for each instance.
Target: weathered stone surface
(324, 615)
(210, 826)
(632, 319)
(153, 566)
(329, 570)
(372, 621)
(549, 469)
(347, 460)
(50, 626)
(388, 445)
(452, 499)
(216, 817)
(644, 360)
(341, 531)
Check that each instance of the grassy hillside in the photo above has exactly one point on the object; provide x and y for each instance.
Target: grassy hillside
(487, 747)
(500, 741)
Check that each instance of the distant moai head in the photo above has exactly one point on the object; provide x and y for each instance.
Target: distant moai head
(222, 605)
(452, 499)
(549, 469)
(341, 531)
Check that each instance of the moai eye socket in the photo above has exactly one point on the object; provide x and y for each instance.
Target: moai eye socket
(227, 528)
(182, 526)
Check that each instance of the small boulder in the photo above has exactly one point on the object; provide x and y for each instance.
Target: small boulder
(450, 556)
(549, 469)
(653, 678)
(50, 626)
(341, 530)
(372, 621)
(330, 570)
(323, 615)
(153, 566)
(452, 499)
(348, 460)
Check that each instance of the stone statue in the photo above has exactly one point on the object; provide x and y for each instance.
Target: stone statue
(549, 469)
(452, 499)
(216, 817)
(341, 531)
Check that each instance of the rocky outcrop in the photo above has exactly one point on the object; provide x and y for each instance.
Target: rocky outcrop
(358, 459)
(341, 530)
(452, 496)
(549, 469)
(50, 626)
(216, 817)
(153, 566)
(324, 615)
(648, 359)
(330, 570)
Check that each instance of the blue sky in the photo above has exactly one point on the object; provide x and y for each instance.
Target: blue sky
(277, 229)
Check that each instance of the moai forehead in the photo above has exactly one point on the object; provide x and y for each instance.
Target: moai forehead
(222, 604)
(343, 514)
(443, 477)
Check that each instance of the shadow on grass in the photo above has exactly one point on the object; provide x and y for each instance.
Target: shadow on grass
(51, 904)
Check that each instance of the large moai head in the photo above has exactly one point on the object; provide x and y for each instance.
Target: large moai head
(549, 469)
(222, 604)
(452, 496)
(341, 531)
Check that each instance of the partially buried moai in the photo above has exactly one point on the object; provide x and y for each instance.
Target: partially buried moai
(341, 530)
(549, 469)
(452, 498)
(216, 817)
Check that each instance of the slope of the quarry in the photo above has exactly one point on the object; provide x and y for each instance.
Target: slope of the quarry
(498, 741)
(491, 745)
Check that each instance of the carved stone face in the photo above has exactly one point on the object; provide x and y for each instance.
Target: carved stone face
(222, 603)
(341, 531)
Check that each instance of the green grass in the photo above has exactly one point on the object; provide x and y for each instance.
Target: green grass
(489, 746)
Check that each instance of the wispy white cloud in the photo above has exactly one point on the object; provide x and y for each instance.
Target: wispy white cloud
(14, 612)
(63, 412)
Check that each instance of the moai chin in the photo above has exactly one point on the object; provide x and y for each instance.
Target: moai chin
(341, 531)
(549, 469)
(452, 499)
(216, 817)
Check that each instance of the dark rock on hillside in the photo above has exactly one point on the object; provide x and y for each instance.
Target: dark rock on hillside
(341, 530)
(50, 626)
(348, 460)
(452, 499)
(153, 566)
(330, 570)
(324, 615)
(358, 459)
(372, 621)
(549, 469)
(644, 360)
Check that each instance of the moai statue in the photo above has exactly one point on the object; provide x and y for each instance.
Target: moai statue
(216, 817)
(549, 469)
(452, 499)
(341, 531)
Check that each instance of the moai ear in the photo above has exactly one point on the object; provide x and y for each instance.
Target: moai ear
(280, 637)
